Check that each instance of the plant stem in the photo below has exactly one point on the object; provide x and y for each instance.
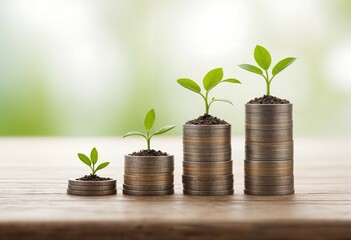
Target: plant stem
(148, 138)
(206, 102)
(268, 84)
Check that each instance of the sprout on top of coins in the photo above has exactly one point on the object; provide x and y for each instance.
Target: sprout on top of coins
(263, 59)
(92, 161)
(148, 124)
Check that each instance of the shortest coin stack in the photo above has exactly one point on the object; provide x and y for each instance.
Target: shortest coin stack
(148, 175)
(91, 188)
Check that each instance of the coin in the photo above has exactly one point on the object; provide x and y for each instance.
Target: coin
(208, 183)
(207, 178)
(207, 157)
(206, 150)
(207, 165)
(148, 170)
(259, 171)
(269, 127)
(269, 183)
(204, 131)
(148, 188)
(148, 193)
(269, 188)
(146, 178)
(151, 164)
(148, 183)
(208, 193)
(270, 164)
(73, 181)
(217, 140)
(269, 108)
(208, 147)
(91, 193)
(208, 188)
(149, 159)
(269, 178)
(207, 172)
(92, 188)
(269, 193)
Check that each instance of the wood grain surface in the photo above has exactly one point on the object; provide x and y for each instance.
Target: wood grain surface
(34, 203)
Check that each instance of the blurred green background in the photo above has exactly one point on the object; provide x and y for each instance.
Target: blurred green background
(84, 68)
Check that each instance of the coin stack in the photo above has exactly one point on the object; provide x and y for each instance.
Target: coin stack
(148, 175)
(269, 149)
(91, 188)
(207, 165)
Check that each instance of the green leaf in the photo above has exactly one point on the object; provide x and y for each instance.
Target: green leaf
(262, 57)
(212, 78)
(231, 80)
(102, 165)
(164, 129)
(149, 120)
(94, 155)
(281, 65)
(84, 159)
(222, 100)
(251, 68)
(134, 133)
(189, 84)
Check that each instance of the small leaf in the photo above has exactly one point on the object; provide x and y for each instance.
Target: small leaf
(212, 78)
(84, 159)
(94, 155)
(102, 165)
(251, 68)
(223, 100)
(281, 65)
(231, 80)
(149, 120)
(164, 129)
(134, 133)
(262, 57)
(189, 84)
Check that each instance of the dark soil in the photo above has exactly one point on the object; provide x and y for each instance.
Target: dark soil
(268, 100)
(206, 119)
(93, 178)
(151, 152)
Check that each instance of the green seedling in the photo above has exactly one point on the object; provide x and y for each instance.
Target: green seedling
(211, 79)
(148, 123)
(263, 59)
(91, 162)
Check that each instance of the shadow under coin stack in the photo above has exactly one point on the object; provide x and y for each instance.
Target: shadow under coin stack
(91, 188)
(148, 175)
(207, 165)
(269, 149)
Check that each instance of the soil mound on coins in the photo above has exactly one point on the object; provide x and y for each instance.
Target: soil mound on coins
(93, 178)
(206, 119)
(151, 152)
(268, 100)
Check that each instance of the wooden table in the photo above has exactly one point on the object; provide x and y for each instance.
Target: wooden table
(34, 203)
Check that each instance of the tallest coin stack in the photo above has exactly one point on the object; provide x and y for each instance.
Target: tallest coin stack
(269, 149)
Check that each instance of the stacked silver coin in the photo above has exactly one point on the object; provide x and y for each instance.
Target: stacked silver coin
(269, 149)
(207, 165)
(91, 188)
(148, 175)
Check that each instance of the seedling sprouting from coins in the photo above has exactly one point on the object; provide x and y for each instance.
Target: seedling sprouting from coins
(211, 80)
(263, 59)
(92, 161)
(148, 123)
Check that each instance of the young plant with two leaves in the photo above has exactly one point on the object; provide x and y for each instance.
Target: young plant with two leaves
(211, 80)
(263, 59)
(148, 124)
(92, 161)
